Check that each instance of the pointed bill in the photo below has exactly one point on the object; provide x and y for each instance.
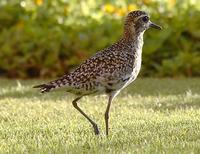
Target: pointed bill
(153, 25)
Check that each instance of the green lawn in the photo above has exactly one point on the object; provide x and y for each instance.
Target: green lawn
(150, 116)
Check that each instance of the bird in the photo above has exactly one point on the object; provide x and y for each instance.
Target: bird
(109, 70)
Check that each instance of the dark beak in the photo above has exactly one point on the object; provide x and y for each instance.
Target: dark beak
(153, 25)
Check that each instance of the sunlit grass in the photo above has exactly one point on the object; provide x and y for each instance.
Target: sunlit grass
(152, 116)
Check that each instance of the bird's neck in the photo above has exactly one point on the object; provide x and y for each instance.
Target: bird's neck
(134, 40)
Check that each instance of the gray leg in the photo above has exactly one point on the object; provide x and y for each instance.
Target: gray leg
(96, 130)
(111, 97)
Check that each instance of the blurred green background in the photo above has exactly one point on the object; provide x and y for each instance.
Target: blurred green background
(47, 38)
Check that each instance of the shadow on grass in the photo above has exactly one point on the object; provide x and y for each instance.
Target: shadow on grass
(163, 106)
(13, 89)
(33, 94)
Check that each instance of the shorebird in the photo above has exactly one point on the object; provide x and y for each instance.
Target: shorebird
(109, 70)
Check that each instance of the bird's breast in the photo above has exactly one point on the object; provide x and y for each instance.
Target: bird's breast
(134, 71)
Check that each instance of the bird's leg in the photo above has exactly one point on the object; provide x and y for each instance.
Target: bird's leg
(96, 130)
(107, 114)
(111, 97)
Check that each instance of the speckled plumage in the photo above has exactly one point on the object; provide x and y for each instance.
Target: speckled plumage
(109, 70)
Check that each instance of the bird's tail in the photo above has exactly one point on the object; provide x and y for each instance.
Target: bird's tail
(52, 85)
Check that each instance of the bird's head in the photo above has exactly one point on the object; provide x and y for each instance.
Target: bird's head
(137, 22)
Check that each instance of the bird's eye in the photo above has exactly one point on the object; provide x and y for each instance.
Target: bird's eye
(145, 19)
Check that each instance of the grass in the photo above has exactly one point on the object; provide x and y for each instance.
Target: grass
(150, 116)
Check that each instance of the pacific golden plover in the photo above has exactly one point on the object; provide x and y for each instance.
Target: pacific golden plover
(109, 70)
